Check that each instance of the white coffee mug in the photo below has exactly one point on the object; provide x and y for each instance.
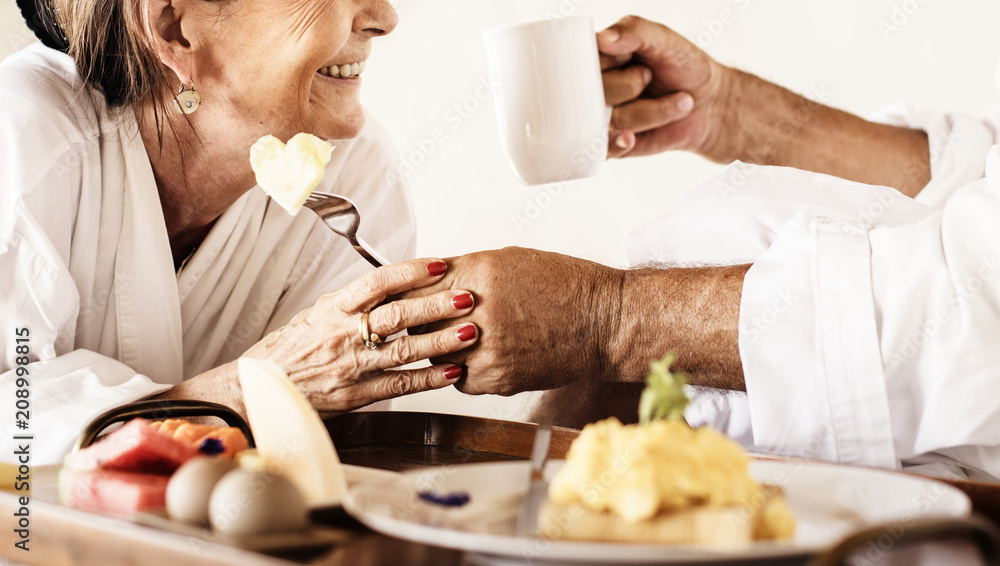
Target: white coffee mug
(546, 80)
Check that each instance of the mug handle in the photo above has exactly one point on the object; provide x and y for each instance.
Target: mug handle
(159, 409)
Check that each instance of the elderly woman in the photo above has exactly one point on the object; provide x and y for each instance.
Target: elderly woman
(137, 257)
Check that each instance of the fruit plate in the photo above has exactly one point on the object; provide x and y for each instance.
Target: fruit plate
(829, 502)
(321, 532)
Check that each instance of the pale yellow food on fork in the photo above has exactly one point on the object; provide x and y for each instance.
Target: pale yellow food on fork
(289, 173)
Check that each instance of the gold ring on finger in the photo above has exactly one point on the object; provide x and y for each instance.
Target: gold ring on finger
(368, 338)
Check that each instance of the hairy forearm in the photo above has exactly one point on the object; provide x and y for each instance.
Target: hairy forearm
(218, 385)
(769, 125)
(691, 311)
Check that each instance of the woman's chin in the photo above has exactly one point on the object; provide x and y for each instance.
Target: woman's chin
(337, 118)
(344, 127)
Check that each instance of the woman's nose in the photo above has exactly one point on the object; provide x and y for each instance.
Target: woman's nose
(377, 17)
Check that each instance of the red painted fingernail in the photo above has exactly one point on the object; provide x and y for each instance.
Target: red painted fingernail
(462, 302)
(454, 372)
(437, 268)
(466, 333)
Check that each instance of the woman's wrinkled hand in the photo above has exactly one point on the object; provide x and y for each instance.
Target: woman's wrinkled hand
(322, 352)
(666, 92)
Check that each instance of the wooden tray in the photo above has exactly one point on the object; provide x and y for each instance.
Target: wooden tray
(400, 441)
(385, 440)
(395, 441)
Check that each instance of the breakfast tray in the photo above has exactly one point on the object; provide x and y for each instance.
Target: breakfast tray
(394, 441)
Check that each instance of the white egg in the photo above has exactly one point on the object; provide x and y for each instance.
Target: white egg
(248, 502)
(192, 484)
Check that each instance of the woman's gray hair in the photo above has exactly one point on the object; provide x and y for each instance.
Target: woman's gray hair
(108, 40)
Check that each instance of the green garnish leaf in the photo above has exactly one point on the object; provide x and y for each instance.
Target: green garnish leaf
(663, 397)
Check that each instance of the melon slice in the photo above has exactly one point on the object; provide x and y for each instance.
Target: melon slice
(290, 436)
(289, 173)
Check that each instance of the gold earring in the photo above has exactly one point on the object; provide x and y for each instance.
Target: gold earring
(187, 100)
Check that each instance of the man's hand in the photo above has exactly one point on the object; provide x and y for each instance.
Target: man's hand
(666, 92)
(545, 319)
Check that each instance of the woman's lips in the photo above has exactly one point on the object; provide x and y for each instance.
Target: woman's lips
(345, 71)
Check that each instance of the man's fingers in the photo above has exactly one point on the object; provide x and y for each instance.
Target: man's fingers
(614, 61)
(620, 142)
(396, 383)
(623, 85)
(656, 141)
(373, 287)
(633, 34)
(398, 315)
(665, 51)
(647, 114)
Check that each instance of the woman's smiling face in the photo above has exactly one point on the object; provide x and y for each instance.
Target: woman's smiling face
(272, 63)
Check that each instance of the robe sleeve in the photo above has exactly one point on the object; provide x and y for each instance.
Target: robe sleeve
(868, 320)
(41, 175)
(957, 143)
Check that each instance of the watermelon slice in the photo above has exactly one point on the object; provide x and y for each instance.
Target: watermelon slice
(112, 491)
(138, 447)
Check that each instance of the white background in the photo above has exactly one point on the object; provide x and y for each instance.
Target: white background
(427, 76)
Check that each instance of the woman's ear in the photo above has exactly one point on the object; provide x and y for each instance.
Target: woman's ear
(168, 24)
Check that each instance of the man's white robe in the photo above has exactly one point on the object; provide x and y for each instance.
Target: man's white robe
(869, 321)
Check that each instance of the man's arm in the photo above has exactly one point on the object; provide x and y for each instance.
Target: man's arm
(550, 320)
(770, 125)
(668, 94)
(694, 312)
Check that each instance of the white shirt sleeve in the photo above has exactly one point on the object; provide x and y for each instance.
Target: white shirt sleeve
(958, 144)
(885, 346)
(868, 319)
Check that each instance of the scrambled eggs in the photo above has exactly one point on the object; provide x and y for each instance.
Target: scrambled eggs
(637, 472)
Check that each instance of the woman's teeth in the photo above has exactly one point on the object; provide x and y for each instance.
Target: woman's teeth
(346, 70)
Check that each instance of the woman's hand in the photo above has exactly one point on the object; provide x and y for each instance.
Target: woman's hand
(321, 350)
(666, 92)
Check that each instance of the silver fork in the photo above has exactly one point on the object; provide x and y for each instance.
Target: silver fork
(340, 214)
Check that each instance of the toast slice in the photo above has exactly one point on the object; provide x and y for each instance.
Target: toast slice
(764, 519)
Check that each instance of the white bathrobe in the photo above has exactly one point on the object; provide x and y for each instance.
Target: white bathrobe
(869, 322)
(86, 266)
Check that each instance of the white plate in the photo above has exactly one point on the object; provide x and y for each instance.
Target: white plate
(829, 501)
